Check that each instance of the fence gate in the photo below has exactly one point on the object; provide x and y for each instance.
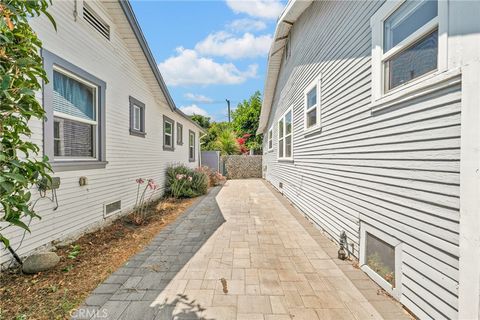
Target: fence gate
(211, 159)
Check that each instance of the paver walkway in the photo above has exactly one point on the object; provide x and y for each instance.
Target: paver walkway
(237, 254)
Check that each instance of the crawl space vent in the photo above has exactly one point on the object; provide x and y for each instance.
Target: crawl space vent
(112, 207)
(96, 22)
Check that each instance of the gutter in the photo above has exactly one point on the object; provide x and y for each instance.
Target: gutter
(132, 20)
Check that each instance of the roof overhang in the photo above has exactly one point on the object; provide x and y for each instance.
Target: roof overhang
(132, 20)
(292, 12)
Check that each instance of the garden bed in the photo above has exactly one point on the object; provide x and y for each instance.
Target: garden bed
(93, 257)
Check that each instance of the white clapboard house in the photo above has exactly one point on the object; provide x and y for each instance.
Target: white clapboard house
(371, 124)
(110, 120)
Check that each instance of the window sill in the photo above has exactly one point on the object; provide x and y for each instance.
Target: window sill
(137, 133)
(168, 148)
(59, 166)
(285, 160)
(421, 87)
(312, 131)
(191, 160)
(180, 144)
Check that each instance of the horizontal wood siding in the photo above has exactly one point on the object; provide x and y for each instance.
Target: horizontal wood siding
(129, 157)
(397, 171)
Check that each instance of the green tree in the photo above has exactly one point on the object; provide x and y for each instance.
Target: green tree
(227, 143)
(21, 71)
(245, 120)
(209, 141)
(202, 121)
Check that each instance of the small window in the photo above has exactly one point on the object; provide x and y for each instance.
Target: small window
(380, 258)
(168, 133)
(406, 44)
(285, 135)
(179, 134)
(312, 105)
(137, 117)
(75, 127)
(191, 146)
(270, 139)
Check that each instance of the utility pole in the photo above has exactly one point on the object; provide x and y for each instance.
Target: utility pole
(228, 105)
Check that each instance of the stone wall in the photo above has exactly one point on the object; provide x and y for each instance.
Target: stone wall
(243, 167)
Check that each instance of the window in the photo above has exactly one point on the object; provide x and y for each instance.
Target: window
(380, 258)
(312, 105)
(74, 129)
(285, 135)
(179, 133)
(191, 146)
(75, 117)
(137, 117)
(408, 42)
(270, 139)
(168, 133)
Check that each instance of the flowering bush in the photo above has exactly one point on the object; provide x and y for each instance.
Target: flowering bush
(183, 182)
(215, 177)
(141, 203)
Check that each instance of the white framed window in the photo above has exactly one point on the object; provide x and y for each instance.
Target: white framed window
(191, 146)
(381, 258)
(270, 139)
(312, 102)
(75, 109)
(168, 125)
(409, 43)
(285, 135)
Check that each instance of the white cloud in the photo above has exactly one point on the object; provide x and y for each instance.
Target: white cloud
(194, 109)
(198, 98)
(265, 9)
(246, 24)
(188, 68)
(226, 45)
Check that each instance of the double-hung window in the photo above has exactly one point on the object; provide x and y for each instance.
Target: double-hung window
(75, 123)
(270, 139)
(74, 128)
(137, 117)
(408, 42)
(191, 146)
(168, 133)
(312, 105)
(285, 135)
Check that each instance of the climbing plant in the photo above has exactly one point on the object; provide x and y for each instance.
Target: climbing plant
(21, 74)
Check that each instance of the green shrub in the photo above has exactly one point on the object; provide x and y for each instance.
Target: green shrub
(183, 182)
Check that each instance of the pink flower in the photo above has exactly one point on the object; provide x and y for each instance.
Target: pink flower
(151, 184)
(140, 181)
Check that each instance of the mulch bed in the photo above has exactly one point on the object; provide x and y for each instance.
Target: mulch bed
(54, 293)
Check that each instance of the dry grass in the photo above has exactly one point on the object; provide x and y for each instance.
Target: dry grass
(54, 293)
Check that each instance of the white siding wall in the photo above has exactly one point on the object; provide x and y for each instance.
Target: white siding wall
(128, 156)
(398, 170)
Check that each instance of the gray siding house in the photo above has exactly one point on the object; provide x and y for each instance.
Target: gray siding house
(371, 128)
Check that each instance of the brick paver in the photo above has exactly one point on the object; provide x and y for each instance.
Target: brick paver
(239, 253)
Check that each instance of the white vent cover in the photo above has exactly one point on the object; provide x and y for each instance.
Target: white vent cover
(111, 208)
(95, 21)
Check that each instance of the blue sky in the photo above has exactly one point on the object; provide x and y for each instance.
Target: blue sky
(209, 51)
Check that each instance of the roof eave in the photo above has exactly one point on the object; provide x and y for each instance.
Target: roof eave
(132, 20)
(292, 12)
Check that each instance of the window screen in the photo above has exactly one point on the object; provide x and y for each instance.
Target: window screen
(380, 257)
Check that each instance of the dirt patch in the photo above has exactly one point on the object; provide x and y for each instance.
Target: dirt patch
(83, 266)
